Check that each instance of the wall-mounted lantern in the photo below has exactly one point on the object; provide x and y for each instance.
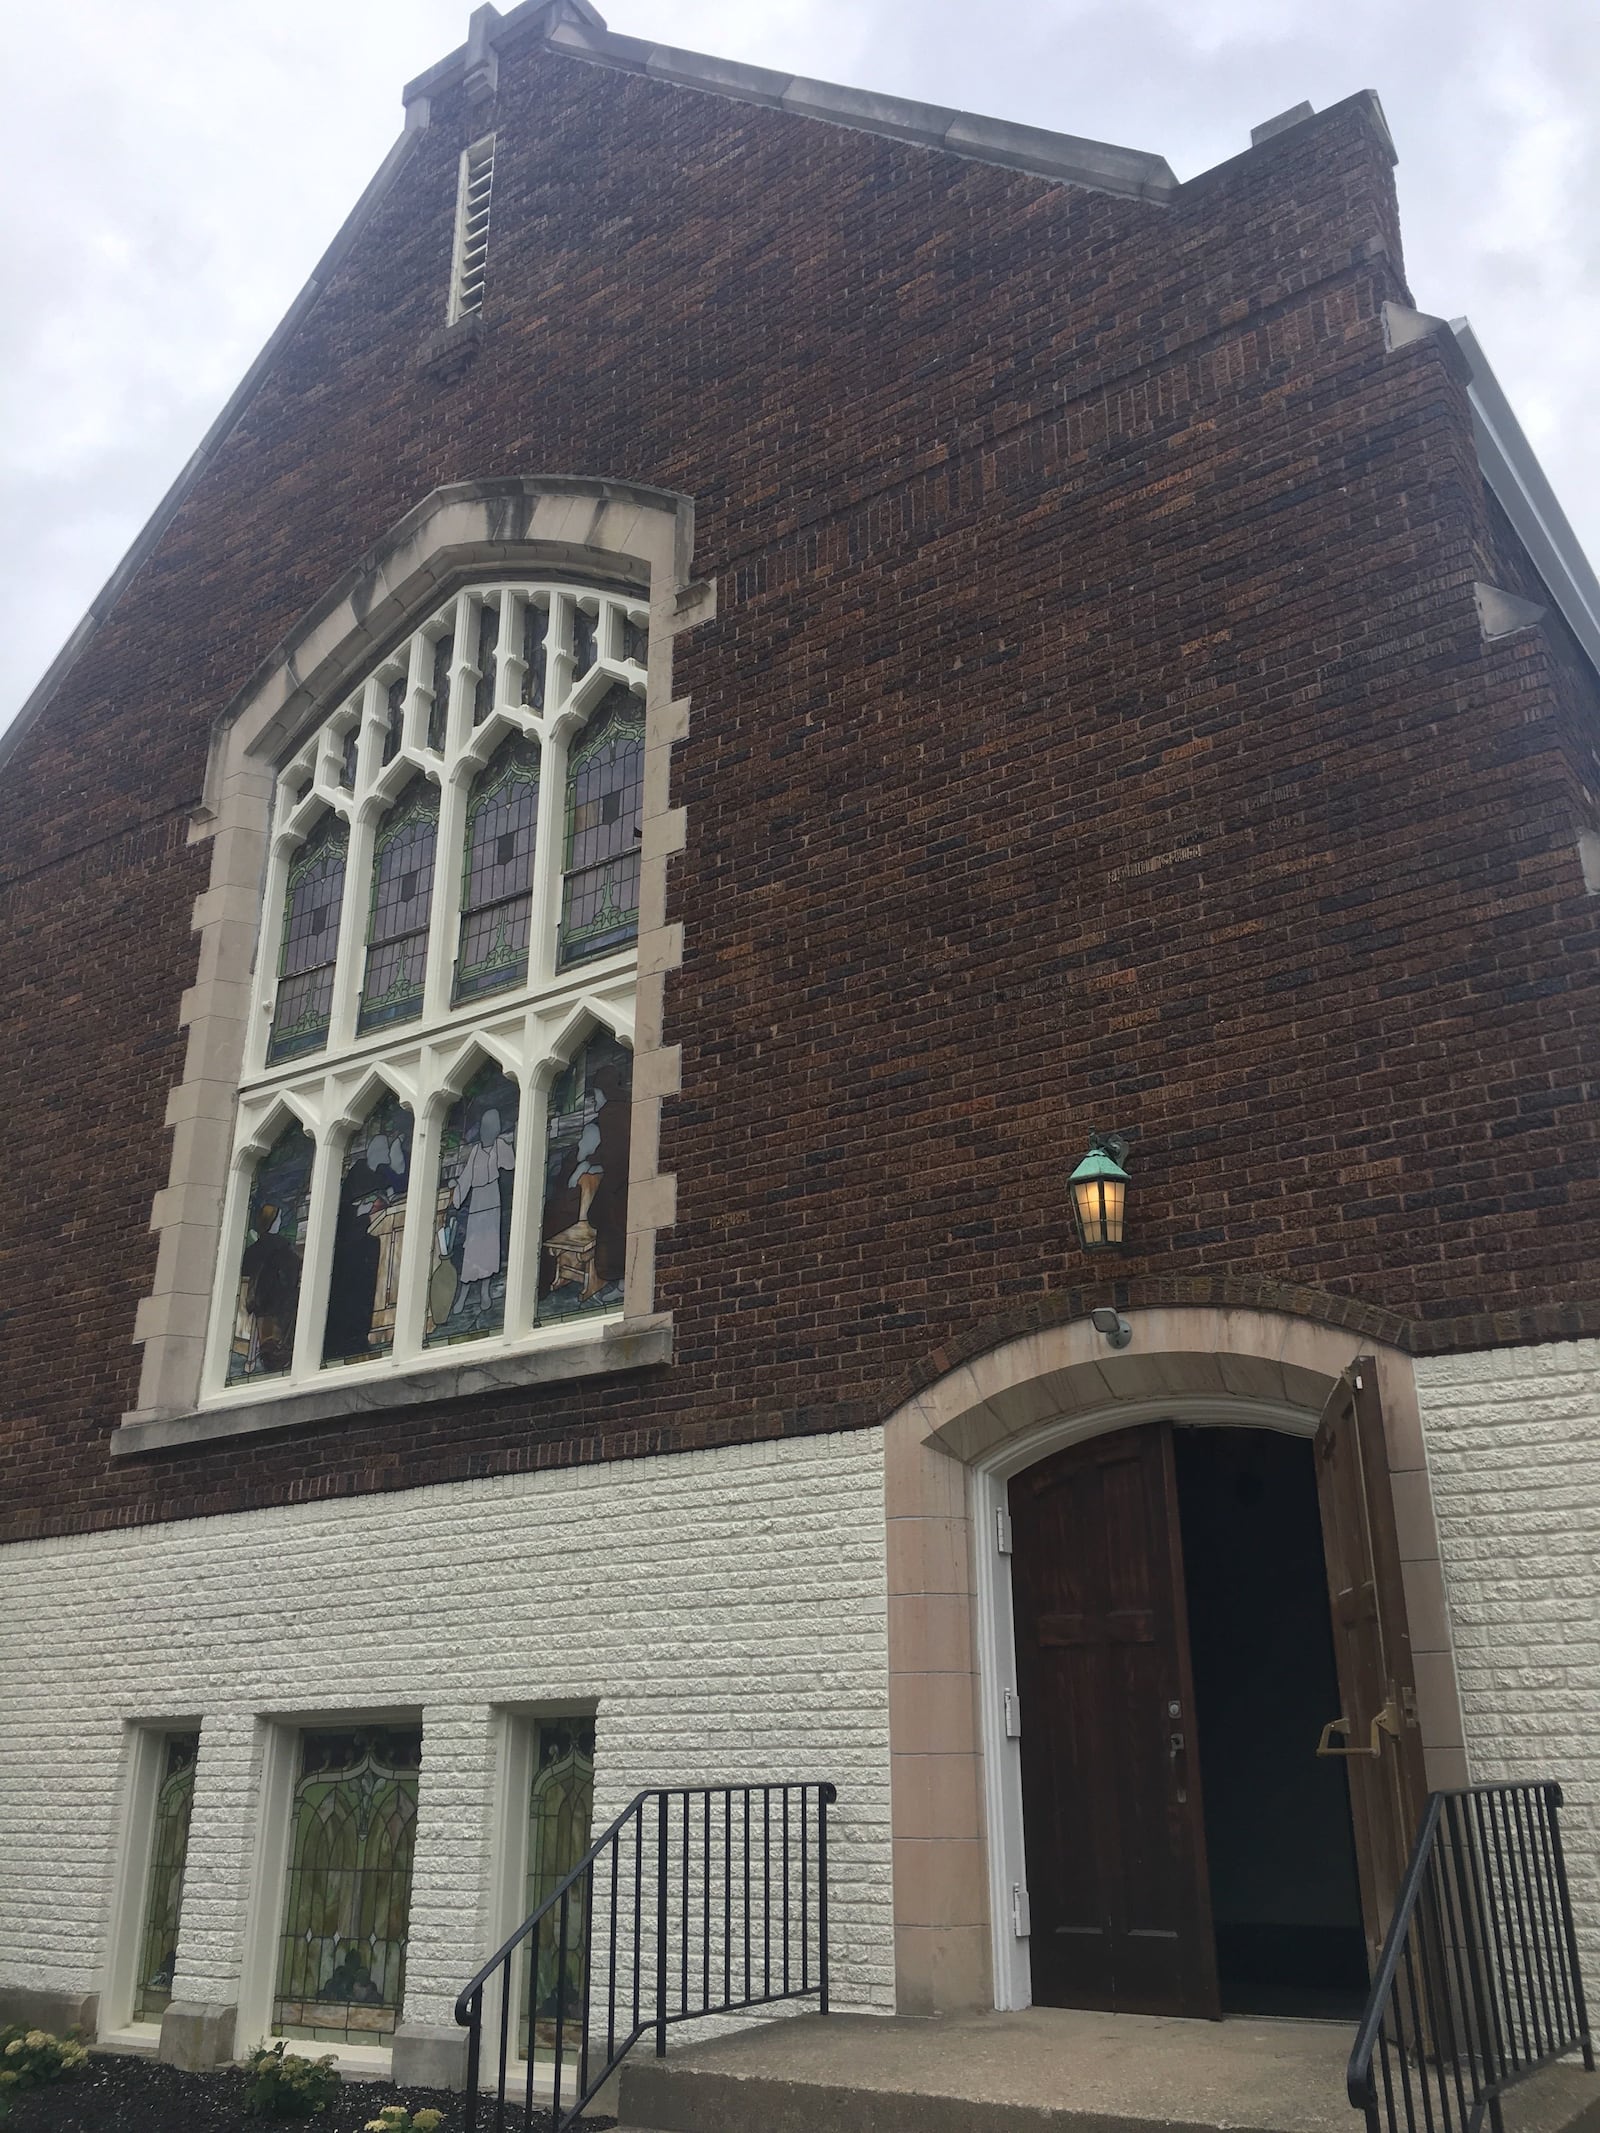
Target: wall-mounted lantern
(1099, 1192)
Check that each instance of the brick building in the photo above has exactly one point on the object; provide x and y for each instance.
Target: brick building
(913, 640)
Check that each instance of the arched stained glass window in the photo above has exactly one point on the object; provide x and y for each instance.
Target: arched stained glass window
(584, 1234)
(310, 945)
(605, 783)
(497, 875)
(267, 1305)
(364, 1288)
(473, 1210)
(402, 898)
(169, 1854)
(347, 1906)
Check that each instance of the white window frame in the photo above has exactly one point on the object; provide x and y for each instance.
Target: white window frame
(623, 537)
(530, 1031)
(133, 1850)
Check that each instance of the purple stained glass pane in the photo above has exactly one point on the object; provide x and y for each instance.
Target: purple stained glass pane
(472, 1211)
(394, 720)
(584, 632)
(347, 764)
(268, 1302)
(488, 633)
(364, 1288)
(310, 943)
(585, 1227)
(444, 651)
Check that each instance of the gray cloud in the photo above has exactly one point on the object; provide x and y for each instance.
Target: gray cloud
(174, 170)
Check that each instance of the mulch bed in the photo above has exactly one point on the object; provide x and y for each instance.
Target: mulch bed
(120, 2093)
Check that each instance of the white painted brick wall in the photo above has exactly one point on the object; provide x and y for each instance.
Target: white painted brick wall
(1513, 1437)
(727, 1609)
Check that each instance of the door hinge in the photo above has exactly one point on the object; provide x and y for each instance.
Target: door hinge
(1011, 1706)
(1002, 1529)
(1021, 1921)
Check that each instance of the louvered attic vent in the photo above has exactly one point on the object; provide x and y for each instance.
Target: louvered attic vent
(472, 228)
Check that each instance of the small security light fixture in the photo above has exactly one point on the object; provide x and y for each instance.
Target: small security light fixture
(1099, 1190)
(1112, 1324)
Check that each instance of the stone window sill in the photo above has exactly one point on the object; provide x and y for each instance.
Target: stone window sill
(619, 1345)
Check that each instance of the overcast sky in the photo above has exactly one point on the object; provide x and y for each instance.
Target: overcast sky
(177, 166)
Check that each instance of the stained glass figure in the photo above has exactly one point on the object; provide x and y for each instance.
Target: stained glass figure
(496, 889)
(268, 1302)
(605, 781)
(535, 640)
(444, 651)
(488, 633)
(636, 641)
(310, 943)
(585, 635)
(347, 1907)
(560, 1812)
(364, 1288)
(394, 719)
(472, 1211)
(583, 1255)
(347, 759)
(402, 896)
(169, 1853)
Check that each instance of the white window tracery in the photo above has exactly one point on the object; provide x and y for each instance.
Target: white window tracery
(449, 920)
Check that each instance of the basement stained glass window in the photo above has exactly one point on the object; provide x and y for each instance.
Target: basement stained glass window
(347, 1903)
(169, 1852)
(560, 1812)
(496, 889)
(472, 1236)
(583, 1251)
(310, 944)
(267, 1306)
(402, 898)
(364, 1287)
(605, 780)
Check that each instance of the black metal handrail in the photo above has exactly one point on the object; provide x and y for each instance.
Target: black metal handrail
(1478, 1985)
(698, 1900)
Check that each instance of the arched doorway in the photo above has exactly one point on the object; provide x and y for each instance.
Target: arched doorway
(1188, 1852)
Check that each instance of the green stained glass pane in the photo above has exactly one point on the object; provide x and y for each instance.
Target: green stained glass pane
(364, 1286)
(347, 1902)
(605, 786)
(472, 1211)
(268, 1303)
(584, 1233)
(169, 1852)
(560, 1812)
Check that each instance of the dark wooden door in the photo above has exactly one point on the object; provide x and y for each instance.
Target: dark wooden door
(1120, 1908)
(1376, 1726)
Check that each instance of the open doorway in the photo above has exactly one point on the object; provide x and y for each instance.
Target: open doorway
(1285, 1897)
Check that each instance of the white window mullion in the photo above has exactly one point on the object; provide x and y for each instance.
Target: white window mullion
(445, 923)
(317, 1267)
(269, 949)
(544, 910)
(527, 1210)
(416, 1246)
(349, 972)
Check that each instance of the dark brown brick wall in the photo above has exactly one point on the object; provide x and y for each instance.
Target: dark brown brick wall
(1095, 730)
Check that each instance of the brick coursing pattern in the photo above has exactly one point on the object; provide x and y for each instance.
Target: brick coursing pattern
(1095, 730)
(726, 1609)
(1511, 1438)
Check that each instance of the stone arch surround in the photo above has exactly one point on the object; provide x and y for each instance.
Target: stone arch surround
(947, 1452)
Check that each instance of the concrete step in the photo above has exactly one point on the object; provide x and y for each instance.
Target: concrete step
(1048, 2070)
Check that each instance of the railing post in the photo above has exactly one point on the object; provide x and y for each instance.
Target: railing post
(825, 1793)
(474, 2040)
(1568, 1927)
(661, 1925)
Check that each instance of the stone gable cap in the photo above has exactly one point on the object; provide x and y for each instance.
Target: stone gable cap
(575, 29)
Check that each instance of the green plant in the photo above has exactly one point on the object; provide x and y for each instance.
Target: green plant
(283, 2084)
(395, 2118)
(31, 2057)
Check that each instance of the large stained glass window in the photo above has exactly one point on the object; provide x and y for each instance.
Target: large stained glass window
(497, 871)
(605, 783)
(584, 1234)
(267, 1305)
(309, 948)
(347, 1903)
(402, 897)
(560, 1811)
(364, 1289)
(169, 1853)
(472, 1217)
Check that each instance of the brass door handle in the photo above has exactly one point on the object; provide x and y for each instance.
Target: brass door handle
(1386, 1721)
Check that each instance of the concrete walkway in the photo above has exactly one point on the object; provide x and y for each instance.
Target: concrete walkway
(1047, 2070)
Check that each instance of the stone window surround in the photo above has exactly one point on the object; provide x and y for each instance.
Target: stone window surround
(606, 533)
